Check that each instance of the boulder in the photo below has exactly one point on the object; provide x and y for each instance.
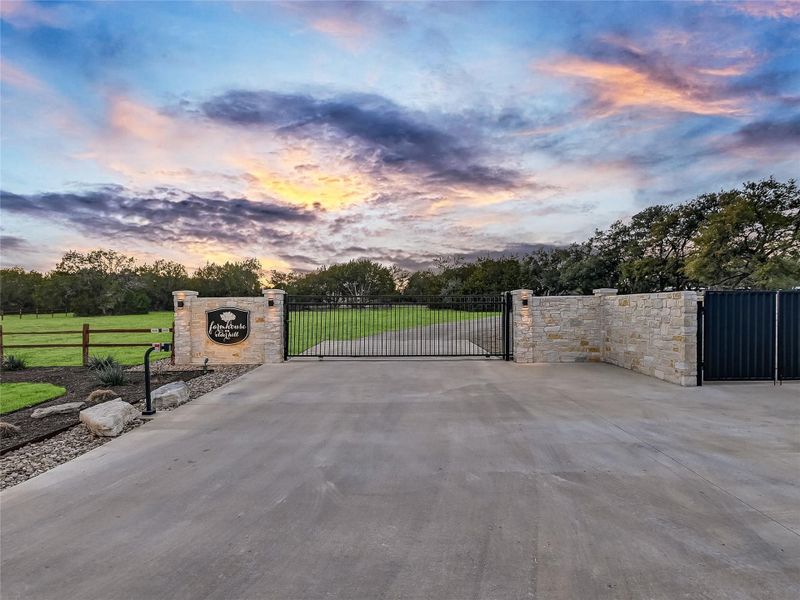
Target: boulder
(170, 395)
(58, 409)
(109, 418)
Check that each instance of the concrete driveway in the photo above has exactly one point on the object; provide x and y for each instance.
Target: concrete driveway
(426, 479)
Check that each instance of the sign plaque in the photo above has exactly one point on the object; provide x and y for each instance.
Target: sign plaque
(227, 325)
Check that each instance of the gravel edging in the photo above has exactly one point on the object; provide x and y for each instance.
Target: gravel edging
(36, 458)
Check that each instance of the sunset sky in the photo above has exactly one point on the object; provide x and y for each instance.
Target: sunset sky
(310, 133)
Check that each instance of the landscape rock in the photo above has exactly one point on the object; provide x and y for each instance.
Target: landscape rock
(109, 418)
(101, 395)
(171, 395)
(58, 409)
(9, 428)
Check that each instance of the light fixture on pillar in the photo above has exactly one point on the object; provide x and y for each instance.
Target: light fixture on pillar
(270, 300)
(524, 299)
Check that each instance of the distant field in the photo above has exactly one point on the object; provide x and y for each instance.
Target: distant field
(56, 357)
(309, 328)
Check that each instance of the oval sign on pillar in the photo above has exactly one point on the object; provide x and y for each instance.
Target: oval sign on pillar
(227, 325)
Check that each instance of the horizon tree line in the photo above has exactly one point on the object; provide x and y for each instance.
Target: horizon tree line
(744, 238)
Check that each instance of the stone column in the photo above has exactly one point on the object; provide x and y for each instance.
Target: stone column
(522, 316)
(276, 304)
(182, 301)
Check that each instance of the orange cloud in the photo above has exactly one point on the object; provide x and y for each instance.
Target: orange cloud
(138, 120)
(617, 87)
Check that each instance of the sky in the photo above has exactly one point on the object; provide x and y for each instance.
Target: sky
(305, 134)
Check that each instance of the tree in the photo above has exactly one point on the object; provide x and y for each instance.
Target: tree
(100, 282)
(752, 241)
(160, 279)
(242, 278)
(19, 289)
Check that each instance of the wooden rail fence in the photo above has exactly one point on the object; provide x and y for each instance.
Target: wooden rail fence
(52, 312)
(85, 344)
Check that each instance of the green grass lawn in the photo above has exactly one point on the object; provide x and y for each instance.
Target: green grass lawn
(308, 328)
(14, 396)
(45, 357)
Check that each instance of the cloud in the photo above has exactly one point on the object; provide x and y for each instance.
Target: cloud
(780, 9)
(162, 215)
(770, 133)
(17, 77)
(27, 15)
(385, 136)
(12, 243)
(619, 75)
(617, 87)
(351, 24)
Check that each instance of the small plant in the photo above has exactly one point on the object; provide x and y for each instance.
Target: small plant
(101, 362)
(14, 363)
(111, 375)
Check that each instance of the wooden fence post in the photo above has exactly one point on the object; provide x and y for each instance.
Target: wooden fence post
(171, 356)
(85, 342)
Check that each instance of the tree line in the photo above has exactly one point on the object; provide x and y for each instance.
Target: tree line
(747, 237)
(106, 282)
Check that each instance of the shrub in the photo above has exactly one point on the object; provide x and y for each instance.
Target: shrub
(14, 363)
(101, 362)
(111, 374)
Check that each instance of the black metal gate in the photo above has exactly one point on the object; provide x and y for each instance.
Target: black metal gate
(398, 326)
(750, 335)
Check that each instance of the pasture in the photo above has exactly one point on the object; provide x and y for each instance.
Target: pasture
(65, 357)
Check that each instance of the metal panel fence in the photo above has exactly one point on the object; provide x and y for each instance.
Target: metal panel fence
(751, 335)
(397, 326)
(789, 335)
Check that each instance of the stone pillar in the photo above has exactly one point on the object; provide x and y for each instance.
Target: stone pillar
(182, 302)
(276, 304)
(522, 316)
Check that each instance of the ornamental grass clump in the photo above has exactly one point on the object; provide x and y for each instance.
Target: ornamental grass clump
(14, 363)
(111, 374)
(101, 362)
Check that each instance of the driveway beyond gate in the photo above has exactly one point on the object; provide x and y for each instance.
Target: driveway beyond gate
(426, 479)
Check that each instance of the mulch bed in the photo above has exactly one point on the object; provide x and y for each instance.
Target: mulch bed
(79, 383)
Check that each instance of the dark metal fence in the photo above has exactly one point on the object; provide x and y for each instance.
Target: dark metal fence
(397, 326)
(750, 335)
(789, 335)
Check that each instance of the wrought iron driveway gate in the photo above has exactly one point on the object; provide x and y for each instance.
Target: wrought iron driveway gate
(398, 326)
(751, 335)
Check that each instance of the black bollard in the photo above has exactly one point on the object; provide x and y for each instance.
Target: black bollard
(148, 401)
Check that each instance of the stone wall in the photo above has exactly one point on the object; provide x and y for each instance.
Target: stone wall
(263, 344)
(654, 334)
(566, 329)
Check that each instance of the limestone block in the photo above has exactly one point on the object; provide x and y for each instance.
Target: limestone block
(171, 395)
(58, 409)
(109, 418)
